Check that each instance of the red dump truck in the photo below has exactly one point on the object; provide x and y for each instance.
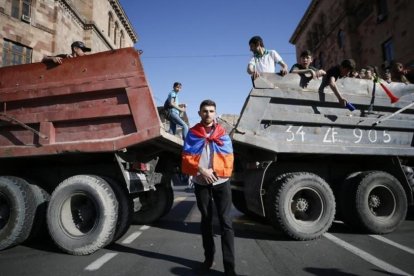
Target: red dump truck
(82, 147)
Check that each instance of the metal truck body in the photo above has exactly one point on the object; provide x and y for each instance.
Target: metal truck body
(301, 158)
(83, 144)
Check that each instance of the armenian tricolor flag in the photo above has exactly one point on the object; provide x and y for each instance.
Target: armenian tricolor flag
(222, 148)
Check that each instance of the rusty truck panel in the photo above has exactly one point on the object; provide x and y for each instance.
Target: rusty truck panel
(281, 117)
(96, 103)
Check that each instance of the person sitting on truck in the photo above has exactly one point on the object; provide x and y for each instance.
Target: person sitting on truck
(263, 60)
(369, 73)
(174, 109)
(400, 73)
(208, 156)
(305, 69)
(335, 73)
(78, 49)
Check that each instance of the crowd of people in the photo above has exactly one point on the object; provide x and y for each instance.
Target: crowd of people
(264, 61)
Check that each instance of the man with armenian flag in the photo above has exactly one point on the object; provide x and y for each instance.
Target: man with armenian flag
(208, 157)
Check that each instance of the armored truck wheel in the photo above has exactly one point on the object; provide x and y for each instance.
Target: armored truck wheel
(82, 214)
(17, 211)
(375, 202)
(301, 204)
(153, 205)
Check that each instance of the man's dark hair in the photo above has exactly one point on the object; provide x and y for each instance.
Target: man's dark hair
(207, 103)
(306, 53)
(348, 64)
(176, 84)
(255, 40)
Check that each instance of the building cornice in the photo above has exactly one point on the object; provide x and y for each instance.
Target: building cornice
(304, 21)
(124, 19)
(87, 25)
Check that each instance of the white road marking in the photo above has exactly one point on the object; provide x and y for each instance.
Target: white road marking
(131, 237)
(390, 242)
(180, 198)
(100, 262)
(366, 256)
(108, 256)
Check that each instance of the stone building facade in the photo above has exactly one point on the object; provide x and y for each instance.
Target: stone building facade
(30, 29)
(372, 32)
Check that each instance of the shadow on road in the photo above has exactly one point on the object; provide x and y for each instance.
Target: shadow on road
(43, 243)
(187, 267)
(244, 226)
(327, 272)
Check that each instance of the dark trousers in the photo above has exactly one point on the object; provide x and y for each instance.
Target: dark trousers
(221, 194)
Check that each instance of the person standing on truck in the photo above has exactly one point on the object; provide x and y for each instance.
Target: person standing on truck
(263, 60)
(174, 109)
(78, 49)
(346, 67)
(208, 157)
(305, 69)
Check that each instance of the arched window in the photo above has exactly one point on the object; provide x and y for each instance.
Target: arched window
(110, 23)
(116, 32)
(21, 9)
(321, 60)
(121, 39)
(341, 39)
(323, 24)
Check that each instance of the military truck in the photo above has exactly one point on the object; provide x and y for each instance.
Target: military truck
(303, 160)
(82, 147)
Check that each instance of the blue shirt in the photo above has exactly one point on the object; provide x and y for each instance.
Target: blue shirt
(174, 95)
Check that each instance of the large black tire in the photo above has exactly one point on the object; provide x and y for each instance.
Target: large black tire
(302, 205)
(374, 202)
(125, 208)
(154, 204)
(17, 211)
(82, 214)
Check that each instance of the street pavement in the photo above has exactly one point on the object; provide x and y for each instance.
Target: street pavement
(172, 246)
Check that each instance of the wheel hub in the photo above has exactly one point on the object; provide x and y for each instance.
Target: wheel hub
(302, 205)
(374, 201)
(83, 212)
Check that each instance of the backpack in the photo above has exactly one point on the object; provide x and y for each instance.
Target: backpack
(167, 108)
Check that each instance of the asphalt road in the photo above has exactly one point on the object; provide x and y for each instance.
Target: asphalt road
(172, 246)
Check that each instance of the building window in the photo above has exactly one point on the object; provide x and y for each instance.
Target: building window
(121, 39)
(341, 39)
(21, 9)
(388, 51)
(110, 23)
(382, 10)
(323, 24)
(115, 32)
(321, 60)
(15, 53)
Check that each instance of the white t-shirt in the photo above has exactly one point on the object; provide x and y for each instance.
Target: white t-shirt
(267, 62)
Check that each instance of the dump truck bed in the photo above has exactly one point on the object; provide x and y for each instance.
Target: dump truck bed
(281, 117)
(96, 103)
